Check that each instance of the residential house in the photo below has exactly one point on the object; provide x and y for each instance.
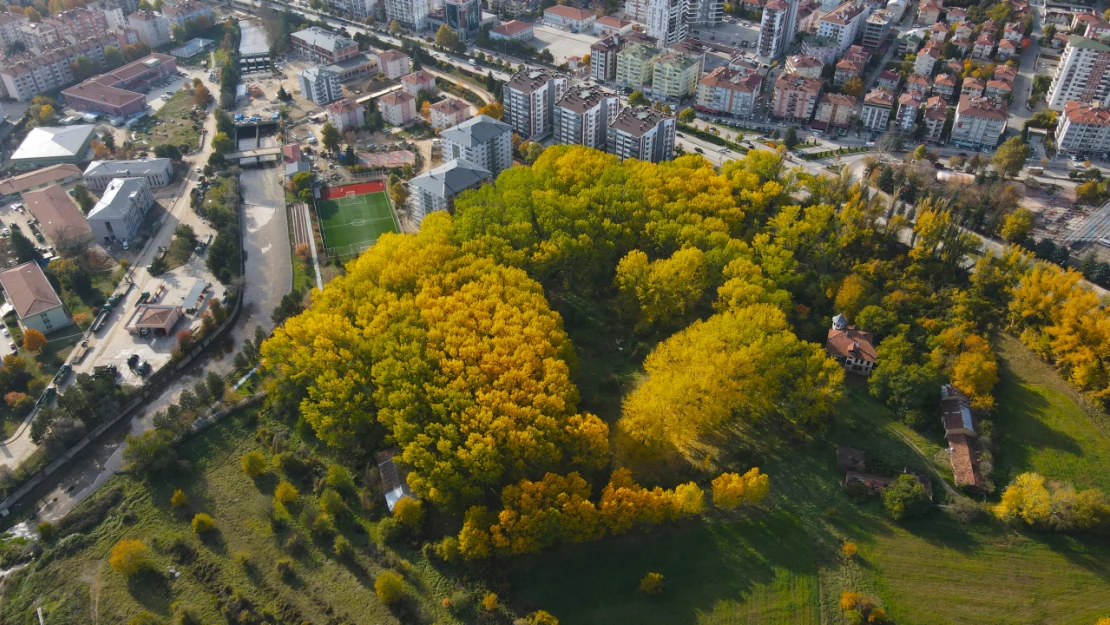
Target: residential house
(412, 14)
(984, 47)
(842, 25)
(972, 87)
(1007, 50)
(35, 302)
(729, 91)
(394, 63)
(58, 217)
(152, 28)
(915, 83)
(960, 432)
(908, 106)
(851, 347)
(998, 89)
(928, 13)
(888, 80)
(845, 71)
(926, 60)
(346, 114)
(944, 85)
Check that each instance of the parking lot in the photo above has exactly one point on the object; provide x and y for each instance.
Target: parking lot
(736, 33)
(562, 44)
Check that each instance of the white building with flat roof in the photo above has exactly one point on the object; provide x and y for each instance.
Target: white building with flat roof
(157, 171)
(119, 214)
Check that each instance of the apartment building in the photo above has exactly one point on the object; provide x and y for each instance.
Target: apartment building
(78, 24)
(729, 91)
(321, 85)
(9, 28)
(795, 97)
(1084, 129)
(876, 29)
(187, 11)
(583, 115)
(674, 76)
(944, 85)
(876, 110)
(31, 75)
(449, 112)
(773, 29)
(38, 36)
(152, 28)
(482, 140)
(908, 106)
(634, 65)
(1083, 74)
(346, 114)
(705, 13)
(121, 210)
(416, 82)
(984, 47)
(666, 20)
(979, 122)
(834, 110)
(412, 14)
(398, 107)
(846, 70)
(843, 25)
(926, 60)
(603, 59)
(802, 65)
(936, 113)
(530, 97)
(158, 172)
(643, 134)
(323, 46)
(394, 63)
(436, 189)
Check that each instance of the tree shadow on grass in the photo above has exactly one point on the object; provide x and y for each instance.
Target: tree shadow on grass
(1086, 551)
(1021, 428)
(151, 589)
(266, 483)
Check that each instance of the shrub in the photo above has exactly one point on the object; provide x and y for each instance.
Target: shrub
(332, 503)
(409, 512)
(448, 549)
(489, 602)
(47, 531)
(284, 568)
(731, 490)
(389, 530)
(290, 464)
(652, 584)
(340, 479)
(203, 523)
(179, 498)
(460, 601)
(143, 618)
(848, 549)
(906, 498)
(390, 587)
(295, 544)
(129, 557)
(541, 617)
(285, 492)
(322, 525)
(254, 463)
(342, 547)
(242, 559)
(279, 515)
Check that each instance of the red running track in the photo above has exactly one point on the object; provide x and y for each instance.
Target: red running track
(362, 188)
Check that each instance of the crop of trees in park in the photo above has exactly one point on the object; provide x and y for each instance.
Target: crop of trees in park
(444, 344)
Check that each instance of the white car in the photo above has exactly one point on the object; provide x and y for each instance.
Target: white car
(4, 329)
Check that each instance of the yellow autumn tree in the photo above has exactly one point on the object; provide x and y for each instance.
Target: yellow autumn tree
(664, 290)
(1027, 499)
(743, 364)
(539, 514)
(129, 557)
(731, 490)
(458, 357)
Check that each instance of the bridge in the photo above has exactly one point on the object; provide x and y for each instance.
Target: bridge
(257, 152)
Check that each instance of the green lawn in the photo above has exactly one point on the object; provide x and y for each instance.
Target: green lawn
(174, 124)
(1043, 425)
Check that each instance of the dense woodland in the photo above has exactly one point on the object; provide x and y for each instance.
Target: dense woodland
(445, 344)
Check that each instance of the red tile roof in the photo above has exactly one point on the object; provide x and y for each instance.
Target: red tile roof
(852, 343)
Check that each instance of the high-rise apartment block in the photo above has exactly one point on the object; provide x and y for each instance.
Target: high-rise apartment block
(411, 14)
(603, 59)
(582, 117)
(530, 97)
(643, 134)
(666, 20)
(1083, 74)
(482, 140)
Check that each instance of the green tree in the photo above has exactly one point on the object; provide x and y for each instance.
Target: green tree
(664, 290)
(636, 98)
(1010, 157)
(330, 137)
(790, 139)
(1017, 225)
(113, 58)
(920, 153)
(687, 115)
(447, 38)
(222, 143)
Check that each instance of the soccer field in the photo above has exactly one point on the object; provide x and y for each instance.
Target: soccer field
(352, 224)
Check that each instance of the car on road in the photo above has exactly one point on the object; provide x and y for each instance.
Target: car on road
(12, 346)
(698, 150)
(197, 170)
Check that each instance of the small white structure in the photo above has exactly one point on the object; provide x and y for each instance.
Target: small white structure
(394, 486)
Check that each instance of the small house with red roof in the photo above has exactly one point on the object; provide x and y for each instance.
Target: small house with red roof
(852, 348)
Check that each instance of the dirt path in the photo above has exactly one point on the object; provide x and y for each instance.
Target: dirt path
(952, 492)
